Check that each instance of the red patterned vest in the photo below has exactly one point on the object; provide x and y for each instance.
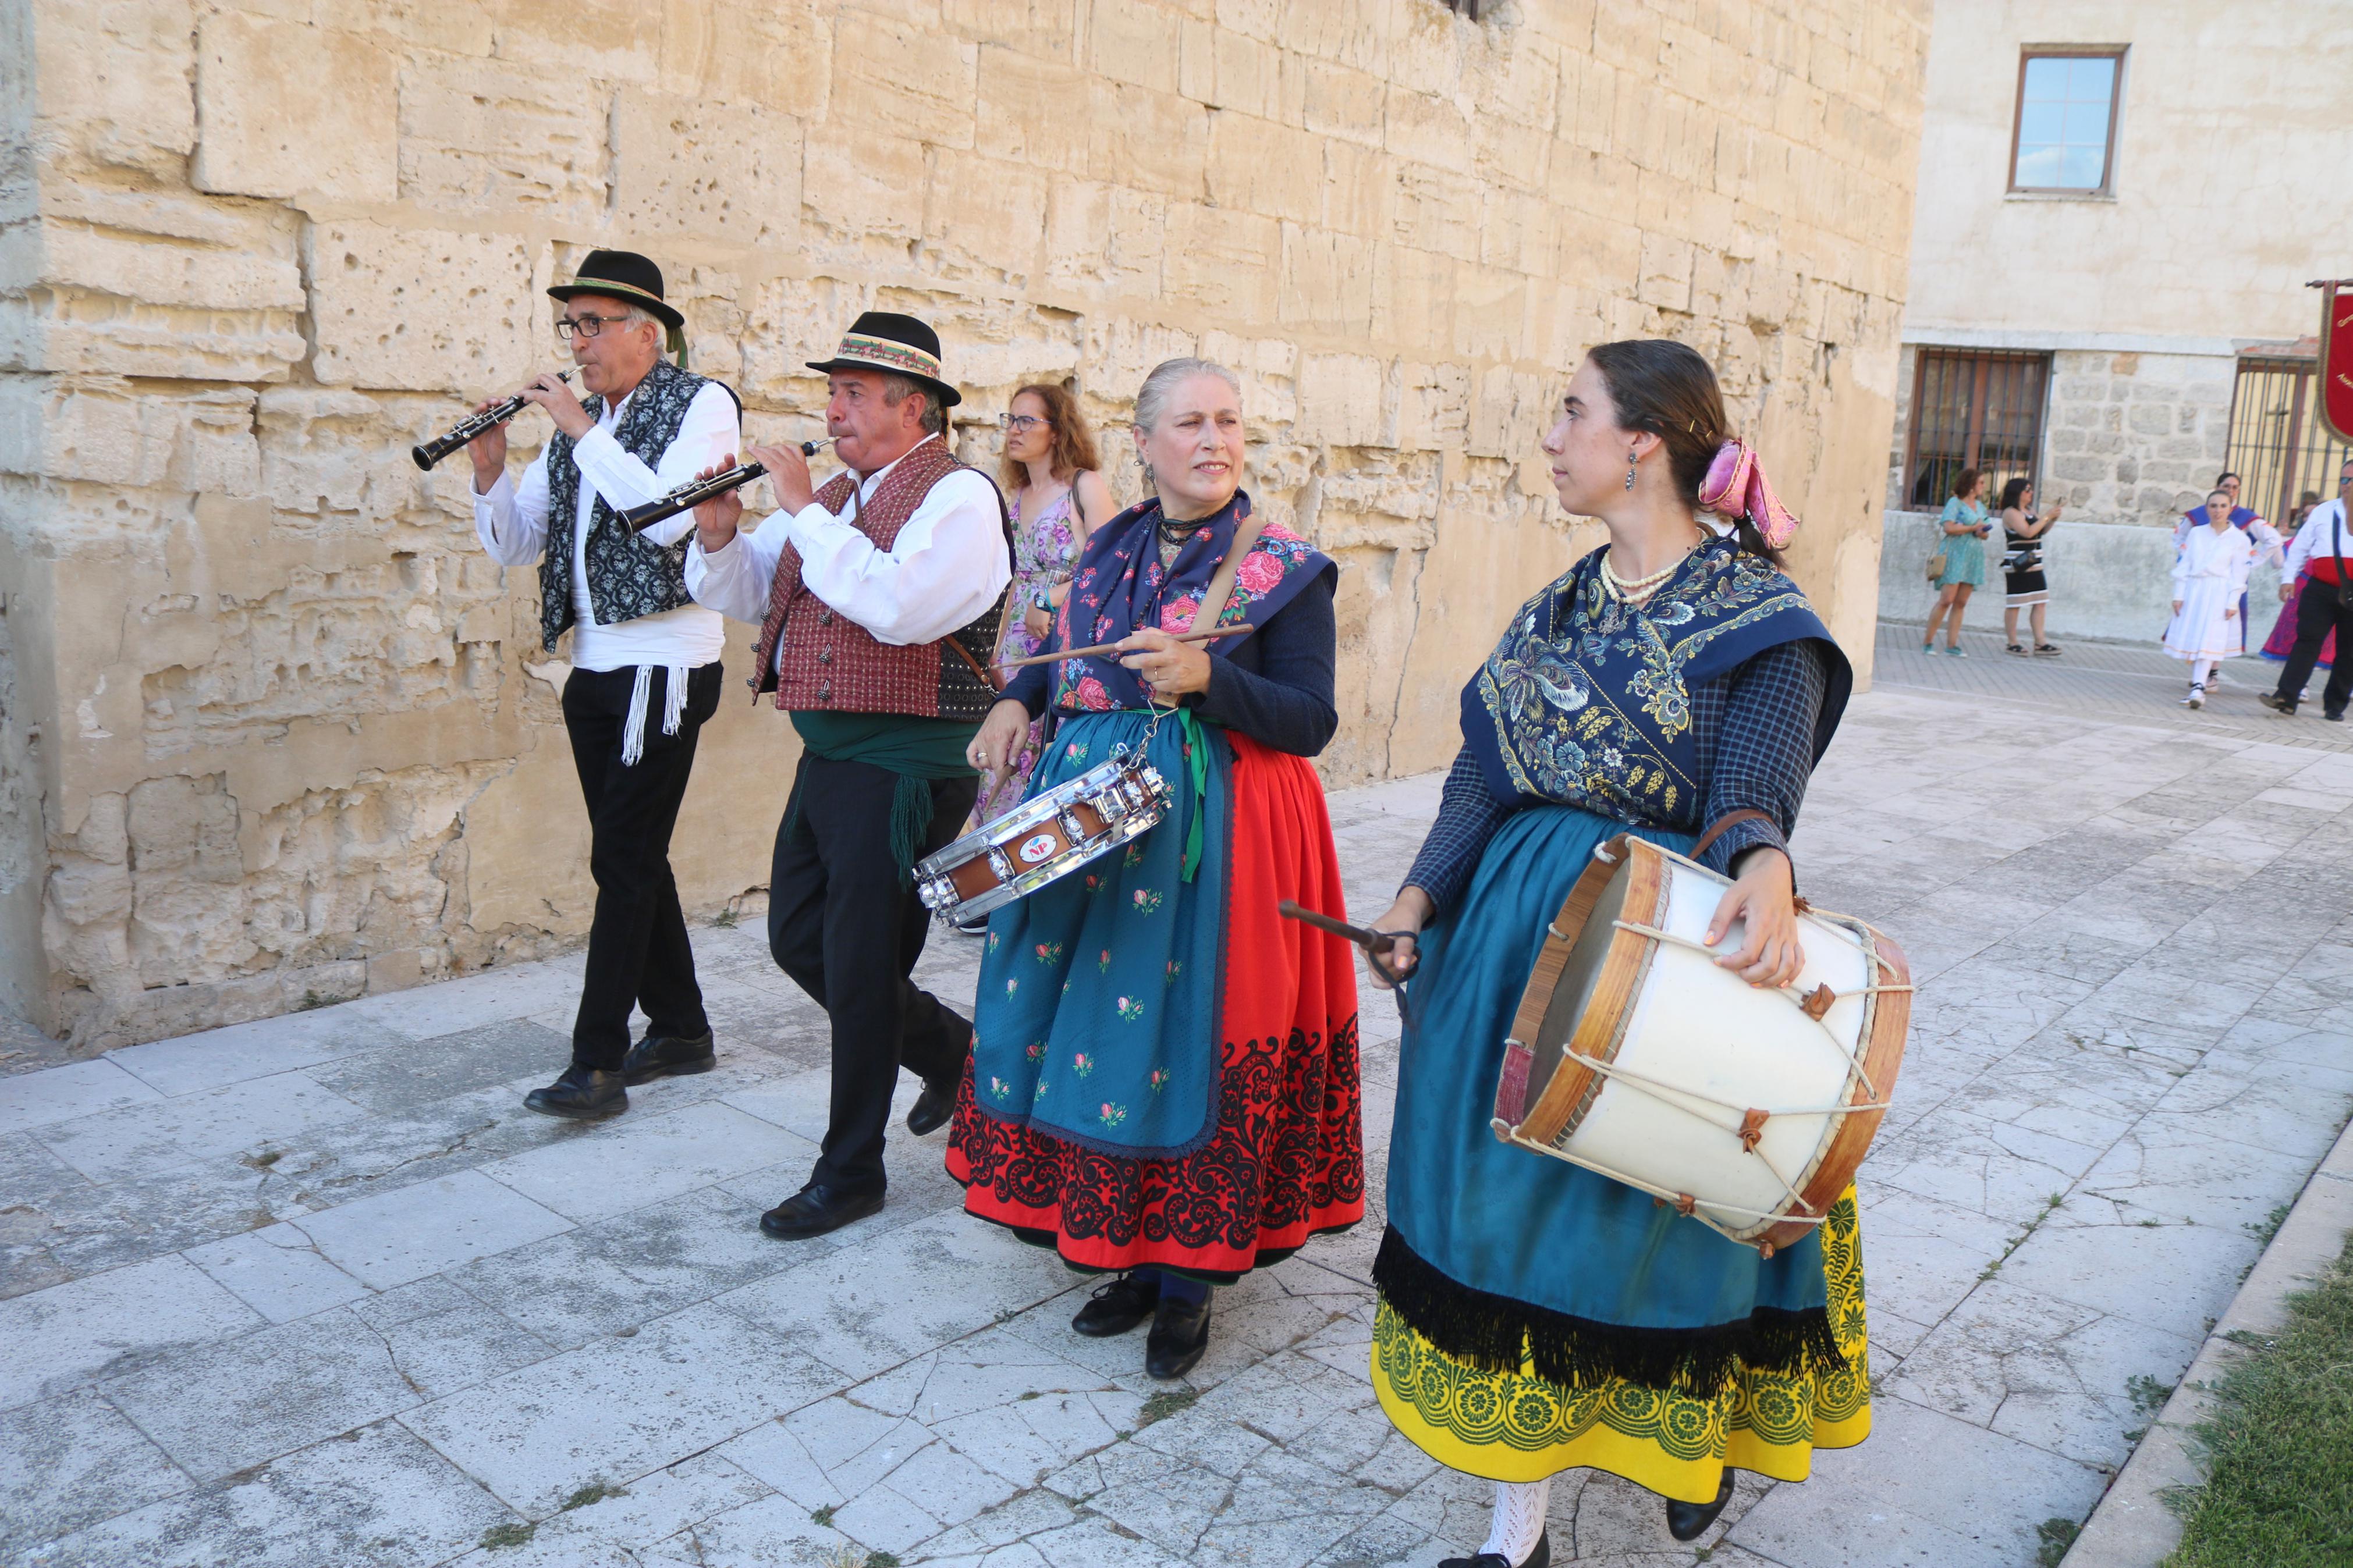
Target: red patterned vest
(832, 665)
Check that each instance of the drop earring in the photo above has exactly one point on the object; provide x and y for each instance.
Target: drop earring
(1630, 470)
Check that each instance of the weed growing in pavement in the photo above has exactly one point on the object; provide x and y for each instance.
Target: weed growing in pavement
(2050, 1206)
(2263, 1229)
(2057, 1535)
(2147, 1395)
(822, 1517)
(1161, 1404)
(501, 1536)
(594, 1492)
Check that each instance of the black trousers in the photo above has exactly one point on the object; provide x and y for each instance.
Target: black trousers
(845, 924)
(638, 951)
(2318, 613)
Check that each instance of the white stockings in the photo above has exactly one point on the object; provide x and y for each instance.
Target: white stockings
(2201, 671)
(1519, 1519)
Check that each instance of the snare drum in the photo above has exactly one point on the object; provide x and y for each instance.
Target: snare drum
(1044, 840)
(1634, 1054)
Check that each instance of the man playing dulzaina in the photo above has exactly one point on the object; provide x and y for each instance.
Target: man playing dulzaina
(878, 598)
(638, 640)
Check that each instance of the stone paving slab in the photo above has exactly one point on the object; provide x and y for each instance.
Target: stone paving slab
(316, 1289)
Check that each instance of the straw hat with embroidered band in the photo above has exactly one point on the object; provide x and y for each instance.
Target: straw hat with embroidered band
(885, 340)
(625, 275)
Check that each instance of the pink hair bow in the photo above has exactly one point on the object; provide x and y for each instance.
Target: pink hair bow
(1737, 488)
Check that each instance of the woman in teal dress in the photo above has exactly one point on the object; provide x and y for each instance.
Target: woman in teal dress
(1961, 530)
(1535, 1316)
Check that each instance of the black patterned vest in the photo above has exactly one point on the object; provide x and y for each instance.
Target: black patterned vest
(628, 577)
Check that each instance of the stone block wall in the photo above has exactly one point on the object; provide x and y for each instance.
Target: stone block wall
(273, 731)
(2136, 437)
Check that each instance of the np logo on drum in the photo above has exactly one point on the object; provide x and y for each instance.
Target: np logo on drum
(1038, 848)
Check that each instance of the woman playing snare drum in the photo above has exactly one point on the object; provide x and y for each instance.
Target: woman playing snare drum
(1535, 1316)
(1163, 1078)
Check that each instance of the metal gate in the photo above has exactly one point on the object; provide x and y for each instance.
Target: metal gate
(2279, 448)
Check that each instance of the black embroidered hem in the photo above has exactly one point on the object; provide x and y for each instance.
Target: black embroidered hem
(1268, 1256)
(1496, 1333)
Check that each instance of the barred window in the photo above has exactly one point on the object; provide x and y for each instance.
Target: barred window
(1973, 410)
(2279, 448)
(1471, 8)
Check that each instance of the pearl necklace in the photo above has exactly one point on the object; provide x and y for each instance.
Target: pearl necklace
(1637, 591)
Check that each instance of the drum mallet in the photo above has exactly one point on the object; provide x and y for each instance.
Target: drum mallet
(1374, 942)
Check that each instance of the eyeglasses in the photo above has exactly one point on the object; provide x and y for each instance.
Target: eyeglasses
(1020, 424)
(586, 326)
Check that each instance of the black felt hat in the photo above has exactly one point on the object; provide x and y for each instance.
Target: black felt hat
(885, 340)
(623, 275)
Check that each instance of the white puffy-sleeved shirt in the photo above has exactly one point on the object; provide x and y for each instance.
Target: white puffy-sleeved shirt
(946, 566)
(2326, 529)
(511, 521)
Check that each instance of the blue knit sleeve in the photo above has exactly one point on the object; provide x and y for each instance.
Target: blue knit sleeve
(1028, 686)
(1764, 751)
(1279, 688)
(1469, 813)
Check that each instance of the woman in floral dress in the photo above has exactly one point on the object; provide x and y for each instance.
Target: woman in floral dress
(1164, 1081)
(1056, 498)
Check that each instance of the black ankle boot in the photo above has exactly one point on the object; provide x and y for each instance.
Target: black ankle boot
(1689, 1520)
(1180, 1335)
(1118, 1307)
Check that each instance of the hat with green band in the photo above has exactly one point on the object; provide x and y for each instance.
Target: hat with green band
(624, 274)
(887, 340)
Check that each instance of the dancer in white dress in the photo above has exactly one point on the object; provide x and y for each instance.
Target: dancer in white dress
(2209, 575)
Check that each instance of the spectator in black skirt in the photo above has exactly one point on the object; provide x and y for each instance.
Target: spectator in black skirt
(2024, 586)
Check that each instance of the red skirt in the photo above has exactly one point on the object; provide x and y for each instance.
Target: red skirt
(1287, 1158)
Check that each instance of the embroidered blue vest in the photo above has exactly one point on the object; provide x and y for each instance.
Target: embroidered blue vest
(628, 577)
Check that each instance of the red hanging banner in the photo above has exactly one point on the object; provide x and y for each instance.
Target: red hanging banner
(2336, 357)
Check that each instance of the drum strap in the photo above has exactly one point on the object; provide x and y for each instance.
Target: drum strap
(1221, 582)
(1729, 819)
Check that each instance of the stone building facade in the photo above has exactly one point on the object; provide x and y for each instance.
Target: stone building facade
(277, 732)
(2161, 311)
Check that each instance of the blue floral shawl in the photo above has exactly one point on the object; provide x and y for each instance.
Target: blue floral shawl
(1587, 700)
(1119, 587)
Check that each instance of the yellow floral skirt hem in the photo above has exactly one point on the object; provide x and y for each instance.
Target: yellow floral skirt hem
(1517, 1427)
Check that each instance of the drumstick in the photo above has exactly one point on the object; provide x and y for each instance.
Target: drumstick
(1374, 942)
(1103, 647)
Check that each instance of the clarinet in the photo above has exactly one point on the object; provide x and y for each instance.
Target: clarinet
(429, 452)
(694, 492)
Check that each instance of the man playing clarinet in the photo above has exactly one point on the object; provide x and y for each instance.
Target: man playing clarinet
(878, 598)
(645, 657)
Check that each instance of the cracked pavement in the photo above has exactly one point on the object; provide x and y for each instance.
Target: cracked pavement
(316, 1289)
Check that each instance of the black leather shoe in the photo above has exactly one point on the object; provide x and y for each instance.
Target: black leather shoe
(1118, 1307)
(2277, 703)
(2336, 718)
(660, 1056)
(1541, 1557)
(934, 1108)
(584, 1094)
(1689, 1520)
(814, 1210)
(1180, 1334)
